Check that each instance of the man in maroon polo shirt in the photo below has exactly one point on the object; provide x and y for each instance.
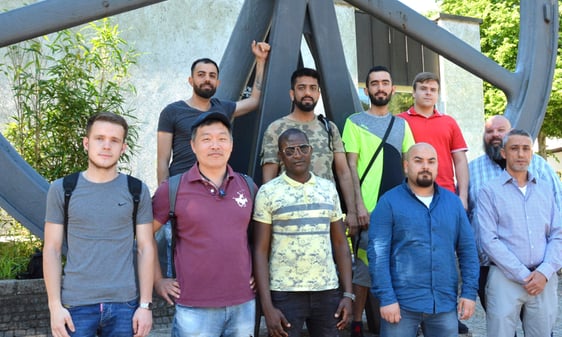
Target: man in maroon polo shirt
(212, 256)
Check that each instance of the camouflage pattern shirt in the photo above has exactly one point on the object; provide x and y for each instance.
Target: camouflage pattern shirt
(322, 153)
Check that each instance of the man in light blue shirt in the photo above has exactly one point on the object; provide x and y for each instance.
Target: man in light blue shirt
(521, 233)
(418, 233)
(489, 166)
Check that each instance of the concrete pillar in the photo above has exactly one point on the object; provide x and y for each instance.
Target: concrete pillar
(462, 93)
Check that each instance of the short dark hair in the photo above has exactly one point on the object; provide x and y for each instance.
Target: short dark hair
(107, 117)
(376, 69)
(287, 133)
(204, 60)
(301, 72)
(515, 132)
(424, 77)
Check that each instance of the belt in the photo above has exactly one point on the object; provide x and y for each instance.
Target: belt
(530, 268)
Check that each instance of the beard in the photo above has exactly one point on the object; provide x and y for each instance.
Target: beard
(493, 152)
(306, 107)
(380, 101)
(204, 93)
(424, 179)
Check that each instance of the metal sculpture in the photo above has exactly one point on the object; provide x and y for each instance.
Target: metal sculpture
(22, 190)
(45, 17)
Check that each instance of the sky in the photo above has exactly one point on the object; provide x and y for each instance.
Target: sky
(421, 6)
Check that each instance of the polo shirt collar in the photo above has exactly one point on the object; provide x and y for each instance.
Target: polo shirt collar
(194, 175)
(413, 112)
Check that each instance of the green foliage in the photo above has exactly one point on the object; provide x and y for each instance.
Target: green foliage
(58, 83)
(499, 41)
(554, 109)
(16, 247)
(401, 101)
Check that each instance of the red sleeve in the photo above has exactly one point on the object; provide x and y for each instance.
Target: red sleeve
(457, 141)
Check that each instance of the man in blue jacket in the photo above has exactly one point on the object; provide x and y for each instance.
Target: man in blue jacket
(418, 232)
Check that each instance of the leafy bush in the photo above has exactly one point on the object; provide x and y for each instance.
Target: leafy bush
(58, 82)
(16, 247)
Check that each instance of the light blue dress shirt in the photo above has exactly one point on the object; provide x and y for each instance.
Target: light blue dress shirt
(520, 231)
(482, 170)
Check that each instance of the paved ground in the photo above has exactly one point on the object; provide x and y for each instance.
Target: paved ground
(477, 324)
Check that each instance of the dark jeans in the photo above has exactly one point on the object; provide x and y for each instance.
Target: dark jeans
(103, 319)
(482, 285)
(316, 308)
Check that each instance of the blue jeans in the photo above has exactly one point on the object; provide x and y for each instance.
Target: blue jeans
(103, 319)
(435, 325)
(316, 308)
(232, 321)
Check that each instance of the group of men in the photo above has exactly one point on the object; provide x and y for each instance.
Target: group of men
(405, 186)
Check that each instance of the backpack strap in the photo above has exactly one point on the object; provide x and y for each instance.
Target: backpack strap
(69, 184)
(379, 148)
(328, 128)
(135, 188)
(173, 185)
(251, 184)
(251, 187)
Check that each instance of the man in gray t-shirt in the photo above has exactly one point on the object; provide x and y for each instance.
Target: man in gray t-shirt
(98, 291)
(175, 121)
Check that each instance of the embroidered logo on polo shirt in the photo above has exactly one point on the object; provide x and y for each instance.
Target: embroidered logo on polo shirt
(241, 200)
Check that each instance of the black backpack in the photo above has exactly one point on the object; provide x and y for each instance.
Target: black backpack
(34, 267)
(326, 123)
(69, 184)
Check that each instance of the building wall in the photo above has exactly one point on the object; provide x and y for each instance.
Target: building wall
(555, 159)
(556, 162)
(25, 312)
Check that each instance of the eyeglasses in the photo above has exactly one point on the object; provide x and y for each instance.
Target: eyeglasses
(289, 151)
